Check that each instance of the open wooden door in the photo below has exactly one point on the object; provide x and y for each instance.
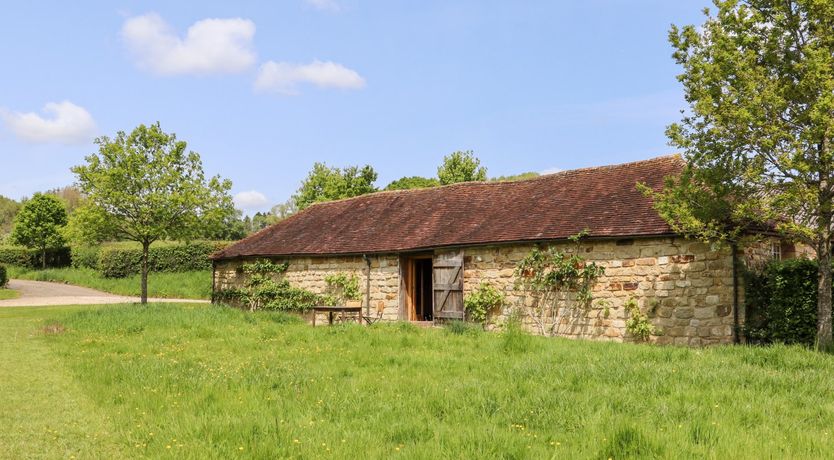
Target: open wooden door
(447, 284)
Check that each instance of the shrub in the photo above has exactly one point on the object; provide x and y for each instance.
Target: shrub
(483, 301)
(85, 256)
(637, 324)
(116, 262)
(4, 276)
(31, 258)
(781, 303)
(263, 291)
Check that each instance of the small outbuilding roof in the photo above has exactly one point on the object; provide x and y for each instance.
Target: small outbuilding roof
(604, 200)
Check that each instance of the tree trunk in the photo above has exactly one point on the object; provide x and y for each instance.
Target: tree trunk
(826, 208)
(43, 258)
(824, 338)
(144, 297)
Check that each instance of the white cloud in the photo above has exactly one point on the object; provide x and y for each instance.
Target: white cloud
(284, 77)
(64, 122)
(210, 46)
(324, 5)
(551, 171)
(250, 200)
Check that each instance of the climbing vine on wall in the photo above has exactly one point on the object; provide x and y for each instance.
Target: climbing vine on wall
(550, 276)
(265, 288)
(483, 301)
(343, 286)
(638, 324)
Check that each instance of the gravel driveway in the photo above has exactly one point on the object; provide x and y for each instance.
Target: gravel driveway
(41, 293)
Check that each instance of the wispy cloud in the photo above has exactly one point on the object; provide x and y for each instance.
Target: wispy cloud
(550, 171)
(285, 77)
(61, 122)
(331, 6)
(210, 46)
(250, 200)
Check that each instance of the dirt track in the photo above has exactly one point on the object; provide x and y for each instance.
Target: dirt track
(40, 293)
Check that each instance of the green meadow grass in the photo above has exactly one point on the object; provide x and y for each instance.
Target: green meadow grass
(184, 285)
(6, 294)
(183, 381)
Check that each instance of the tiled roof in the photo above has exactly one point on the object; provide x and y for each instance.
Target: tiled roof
(603, 200)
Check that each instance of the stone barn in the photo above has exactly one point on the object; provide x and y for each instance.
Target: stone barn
(419, 253)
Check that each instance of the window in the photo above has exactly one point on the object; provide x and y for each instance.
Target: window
(776, 250)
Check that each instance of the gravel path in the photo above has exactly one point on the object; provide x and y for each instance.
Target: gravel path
(41, 293)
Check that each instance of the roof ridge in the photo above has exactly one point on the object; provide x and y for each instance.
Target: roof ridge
(495, 182)
(481, 207)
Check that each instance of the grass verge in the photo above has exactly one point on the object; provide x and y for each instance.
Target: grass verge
(6, 294)
(183, 381)
(184, 285)
(44, 411)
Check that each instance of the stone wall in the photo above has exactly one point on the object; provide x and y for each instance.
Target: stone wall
(310, 272)
(684, 287)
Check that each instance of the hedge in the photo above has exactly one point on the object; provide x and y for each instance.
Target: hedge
(782, 303)
(121, 262)
(85, 257)
(4, 277)
(31, 258)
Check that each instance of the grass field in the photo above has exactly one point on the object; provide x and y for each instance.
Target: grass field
(6, 294)
(185, 285)
(181, 381)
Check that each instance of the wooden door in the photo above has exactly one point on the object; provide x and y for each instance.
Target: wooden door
(447, 284)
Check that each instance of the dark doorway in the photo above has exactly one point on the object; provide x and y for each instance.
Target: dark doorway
(417, 286)
(423, 295)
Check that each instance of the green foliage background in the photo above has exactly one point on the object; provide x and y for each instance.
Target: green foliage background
(119, 261)
(781, 303)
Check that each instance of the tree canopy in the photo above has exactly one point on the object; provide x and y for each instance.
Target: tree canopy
(8, 209)
(461, 167)
(325, 183)
(411, 182)
(39, 224)
(757, 137)
(145, 186)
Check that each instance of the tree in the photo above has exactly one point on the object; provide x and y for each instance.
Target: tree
(407, 183)
(261, 220)
(8, 209)
(39, 224)
(144, 186)
(757, 139)
(461, 167)
(70, 195)
(284, 210)
(516, 177)
(325, 183)
(227, 226)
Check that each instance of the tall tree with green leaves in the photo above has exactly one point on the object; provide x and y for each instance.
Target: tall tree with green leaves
(412, 182)
(325, 183)
(144, 187)
(757, 138)
(8, 209)
(40, 223)
(461, 167)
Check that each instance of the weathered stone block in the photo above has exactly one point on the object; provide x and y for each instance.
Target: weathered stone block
(704, 312)
(684, 312)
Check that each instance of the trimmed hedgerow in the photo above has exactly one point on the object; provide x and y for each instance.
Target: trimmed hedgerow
(85, 256)
(31, 258)
(122, 262)
(781, 303)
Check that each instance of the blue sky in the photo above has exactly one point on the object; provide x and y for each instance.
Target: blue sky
(264, 89)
